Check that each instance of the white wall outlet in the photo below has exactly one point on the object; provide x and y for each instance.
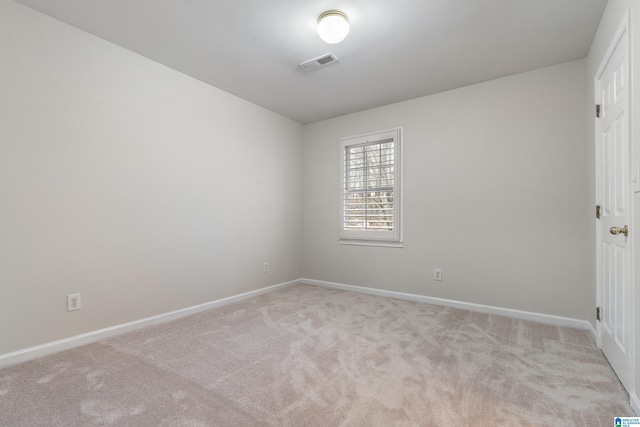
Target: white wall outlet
(73, 302)
(437, 274)
(265, 267)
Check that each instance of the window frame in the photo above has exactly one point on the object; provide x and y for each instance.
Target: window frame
(392, 238)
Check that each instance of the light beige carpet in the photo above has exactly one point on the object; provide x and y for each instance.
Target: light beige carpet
(310, 356)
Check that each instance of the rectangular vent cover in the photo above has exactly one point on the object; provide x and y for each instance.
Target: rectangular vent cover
(319, 62)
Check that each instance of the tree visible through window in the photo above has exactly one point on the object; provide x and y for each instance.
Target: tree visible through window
(370, 196)
(369, 173)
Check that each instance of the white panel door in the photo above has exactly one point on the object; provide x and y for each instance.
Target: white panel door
(614, 196)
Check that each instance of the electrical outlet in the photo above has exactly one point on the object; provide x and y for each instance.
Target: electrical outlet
(73, 302)
(437, 274)
(265, 267)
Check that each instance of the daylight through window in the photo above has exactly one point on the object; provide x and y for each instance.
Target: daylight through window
(370, 193)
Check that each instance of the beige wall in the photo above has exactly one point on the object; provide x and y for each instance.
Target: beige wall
(609, 24)
(494, 194)
(143, 189)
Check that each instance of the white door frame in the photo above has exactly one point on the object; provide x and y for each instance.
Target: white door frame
(622, 31)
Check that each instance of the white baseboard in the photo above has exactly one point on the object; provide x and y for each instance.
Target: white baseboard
(518, 314)
(593, 332)
(35, 352)
(31, 353)
(634, 400)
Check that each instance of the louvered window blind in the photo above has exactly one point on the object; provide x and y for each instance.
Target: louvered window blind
(370, 202)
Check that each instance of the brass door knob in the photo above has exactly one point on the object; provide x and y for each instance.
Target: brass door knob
(617, 230)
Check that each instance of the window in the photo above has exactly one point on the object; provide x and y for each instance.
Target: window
(370, 192)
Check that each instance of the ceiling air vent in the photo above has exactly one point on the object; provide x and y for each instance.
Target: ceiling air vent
(319, 62)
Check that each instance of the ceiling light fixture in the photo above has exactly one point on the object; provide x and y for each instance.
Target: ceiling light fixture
(333, 26)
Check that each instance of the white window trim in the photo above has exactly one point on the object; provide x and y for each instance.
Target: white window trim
(374, 238)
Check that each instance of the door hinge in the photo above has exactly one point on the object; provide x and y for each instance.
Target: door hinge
(598, 314)
(597, 211)
(597, 110)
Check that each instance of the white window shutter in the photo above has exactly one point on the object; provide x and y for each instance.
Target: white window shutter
(371, 185)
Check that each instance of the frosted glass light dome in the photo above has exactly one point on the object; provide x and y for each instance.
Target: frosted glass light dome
(333, 26)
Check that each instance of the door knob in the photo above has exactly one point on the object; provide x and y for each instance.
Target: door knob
(617, 230)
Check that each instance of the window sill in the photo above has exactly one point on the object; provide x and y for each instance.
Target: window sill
(382, 243)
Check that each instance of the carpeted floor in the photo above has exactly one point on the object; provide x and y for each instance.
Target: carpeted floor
(311, 356)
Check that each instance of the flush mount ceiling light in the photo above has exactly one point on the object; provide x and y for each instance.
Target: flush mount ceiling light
(333, 26)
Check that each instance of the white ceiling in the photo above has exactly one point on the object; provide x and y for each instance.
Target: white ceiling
(396, 50)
